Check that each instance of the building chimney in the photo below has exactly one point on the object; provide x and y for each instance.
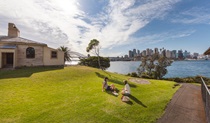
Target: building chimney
(13, 30)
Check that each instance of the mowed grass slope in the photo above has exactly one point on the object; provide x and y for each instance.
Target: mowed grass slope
(74, 94)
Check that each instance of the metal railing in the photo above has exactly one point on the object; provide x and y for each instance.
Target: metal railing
(206, 99)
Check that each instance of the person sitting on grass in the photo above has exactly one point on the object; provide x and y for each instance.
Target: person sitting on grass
(108, 87)
(126, 91)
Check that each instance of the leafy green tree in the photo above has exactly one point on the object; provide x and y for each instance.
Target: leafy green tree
(67, 56)
(93, 62)
(142, 67)
(95, 48)
(154, 66)
(161, 67)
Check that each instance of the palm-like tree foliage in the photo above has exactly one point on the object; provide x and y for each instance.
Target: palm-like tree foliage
(66, 50)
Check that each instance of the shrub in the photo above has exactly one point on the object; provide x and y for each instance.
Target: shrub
(196, 79)
(134, 74)
(146, 76)
(93, 62)
(176, 84)
(170, 79)
(188, 80)
(177, 79)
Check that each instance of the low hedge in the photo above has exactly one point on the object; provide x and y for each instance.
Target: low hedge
(196, 79)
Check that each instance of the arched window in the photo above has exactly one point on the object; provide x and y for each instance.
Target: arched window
(30, 52)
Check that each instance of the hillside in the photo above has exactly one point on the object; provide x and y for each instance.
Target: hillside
(74, 94)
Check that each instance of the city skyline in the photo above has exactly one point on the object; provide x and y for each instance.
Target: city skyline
(136, 54)
(119, 25)
(147, 52)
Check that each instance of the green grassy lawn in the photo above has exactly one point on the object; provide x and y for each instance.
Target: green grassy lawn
(74, 94)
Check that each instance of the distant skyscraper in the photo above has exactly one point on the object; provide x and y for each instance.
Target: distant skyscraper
(148, 52)
(180, 54)
(151, 52)
(134, 52)
(164, 52)
(186, 54)
(130, 53)
(173, 54)
(168, 54)
(144, 53)
(156, 50)
(138, 52)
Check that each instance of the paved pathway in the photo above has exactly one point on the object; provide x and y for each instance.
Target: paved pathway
(186, 106)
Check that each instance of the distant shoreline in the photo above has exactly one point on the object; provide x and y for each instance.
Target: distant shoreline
(183, 68)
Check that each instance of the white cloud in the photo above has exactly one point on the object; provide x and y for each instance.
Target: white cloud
(149, 39)
(61, 22)
(124, 19)
(194, 16)
(166, 36)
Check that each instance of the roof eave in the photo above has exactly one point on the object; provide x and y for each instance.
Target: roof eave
(207, 52)
(22, 43)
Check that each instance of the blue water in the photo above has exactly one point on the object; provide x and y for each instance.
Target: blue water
(177, 69)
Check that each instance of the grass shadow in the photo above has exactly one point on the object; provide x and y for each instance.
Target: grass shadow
(114, 79)
(137, 101)
(26, 71)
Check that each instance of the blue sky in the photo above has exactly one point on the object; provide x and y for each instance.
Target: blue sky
(119, 25)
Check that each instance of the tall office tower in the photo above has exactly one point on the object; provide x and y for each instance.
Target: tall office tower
(130, 54)
(156, 50)
(148, 52)
(187, 54)
(164, 52)
(151, 51)
(134, 52)
(144, 53)
(173, 54)
(138, 52)
(168, 54)
(180, 54)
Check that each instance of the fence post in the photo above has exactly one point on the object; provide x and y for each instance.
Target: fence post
(206, 99)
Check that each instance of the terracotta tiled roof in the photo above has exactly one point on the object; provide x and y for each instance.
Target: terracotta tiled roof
(19, 40)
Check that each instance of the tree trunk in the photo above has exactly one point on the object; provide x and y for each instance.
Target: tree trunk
(99, 63)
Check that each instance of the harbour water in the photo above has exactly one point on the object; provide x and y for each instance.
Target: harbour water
(177, 68)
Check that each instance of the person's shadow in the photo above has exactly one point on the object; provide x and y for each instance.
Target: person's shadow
(135, 100)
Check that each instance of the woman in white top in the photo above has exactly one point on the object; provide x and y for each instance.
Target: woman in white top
(126, 90)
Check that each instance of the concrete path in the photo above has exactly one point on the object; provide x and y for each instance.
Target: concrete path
(186, 106)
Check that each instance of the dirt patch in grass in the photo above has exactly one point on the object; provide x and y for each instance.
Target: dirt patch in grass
(139, 81)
